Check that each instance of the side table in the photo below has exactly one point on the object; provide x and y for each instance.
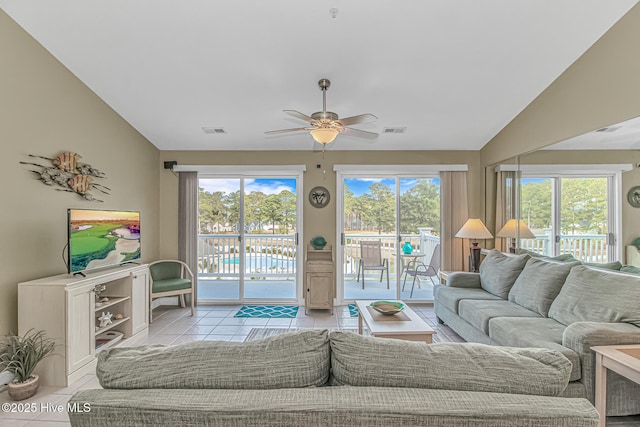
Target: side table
(622, 359)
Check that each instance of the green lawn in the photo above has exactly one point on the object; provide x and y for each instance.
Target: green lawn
(94, 239)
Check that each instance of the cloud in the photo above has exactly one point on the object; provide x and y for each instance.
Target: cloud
(224, 185)
(266, 186)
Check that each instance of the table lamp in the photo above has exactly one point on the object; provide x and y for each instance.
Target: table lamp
(514, 229)
(474, 229)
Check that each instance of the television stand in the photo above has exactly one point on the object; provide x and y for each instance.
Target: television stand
(65, 308)
(79, 273)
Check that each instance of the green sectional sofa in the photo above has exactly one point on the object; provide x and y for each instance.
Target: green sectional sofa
(557, 304)
(313, 378)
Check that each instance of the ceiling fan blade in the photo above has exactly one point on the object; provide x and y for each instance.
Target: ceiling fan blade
(298, 115)
(275, 132)
(361, 133)
(362, 118)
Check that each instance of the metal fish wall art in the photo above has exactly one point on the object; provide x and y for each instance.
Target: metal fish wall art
(67, 172)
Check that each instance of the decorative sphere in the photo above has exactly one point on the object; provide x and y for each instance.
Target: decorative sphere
(318, 242)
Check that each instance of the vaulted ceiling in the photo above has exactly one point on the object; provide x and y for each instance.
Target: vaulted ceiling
(453, 73)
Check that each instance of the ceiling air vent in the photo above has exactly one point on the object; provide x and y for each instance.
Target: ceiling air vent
(213, 131)
(394, 130)
(609, 129)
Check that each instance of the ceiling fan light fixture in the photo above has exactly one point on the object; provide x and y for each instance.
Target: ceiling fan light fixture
(324, 135)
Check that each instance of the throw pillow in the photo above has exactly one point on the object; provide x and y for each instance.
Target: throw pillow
(296, 359)
(561, 257)
(630, 269)
(379, 362)
(539, 284)
(595, 295)
(498, 272)
(616, 265)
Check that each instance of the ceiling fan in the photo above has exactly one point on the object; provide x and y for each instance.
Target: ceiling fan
(325, 125)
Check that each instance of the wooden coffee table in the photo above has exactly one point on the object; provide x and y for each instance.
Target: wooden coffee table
(413, 329)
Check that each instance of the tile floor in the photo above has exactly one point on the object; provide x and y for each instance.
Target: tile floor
(173, 325)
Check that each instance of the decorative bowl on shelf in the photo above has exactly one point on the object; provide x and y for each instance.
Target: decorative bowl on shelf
(318, 242)
(387, 307)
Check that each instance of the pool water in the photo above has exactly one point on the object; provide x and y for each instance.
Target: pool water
(263, 262)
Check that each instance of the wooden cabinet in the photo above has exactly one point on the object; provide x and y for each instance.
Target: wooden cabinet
(140, 302)
(65, 307)
(319, 284)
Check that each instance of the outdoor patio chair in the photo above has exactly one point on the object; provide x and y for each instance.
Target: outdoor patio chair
(170, 278)
(419, 269)
(371, 259)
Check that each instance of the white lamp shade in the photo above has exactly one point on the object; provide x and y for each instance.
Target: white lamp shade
(474, 229)
(510, 229)
(324, 135)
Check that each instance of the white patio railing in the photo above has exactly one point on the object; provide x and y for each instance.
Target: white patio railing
(423, 242)
(273, 256)
(585, 247)
(266, 255)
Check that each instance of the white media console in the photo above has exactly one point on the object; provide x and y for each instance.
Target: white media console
(64, 306)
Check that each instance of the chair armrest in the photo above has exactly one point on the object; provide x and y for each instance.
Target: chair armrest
(413, 265)
(425, 268)
(187, 270)
(581, 336)
(463, 279)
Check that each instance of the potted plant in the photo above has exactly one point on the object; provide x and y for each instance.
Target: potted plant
(20, 355)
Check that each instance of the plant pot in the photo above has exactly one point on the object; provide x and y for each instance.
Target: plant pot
(21, 391)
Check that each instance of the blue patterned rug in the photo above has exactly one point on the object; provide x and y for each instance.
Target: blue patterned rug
(280, 311)
(353, 310)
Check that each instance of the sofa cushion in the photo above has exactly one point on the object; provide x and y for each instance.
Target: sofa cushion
(380, 362)
(479, 312)
(499, 271)
(170, 285)
(450, 297)
(596, 295)
(297, 359)
(539, 284)
(533, 332)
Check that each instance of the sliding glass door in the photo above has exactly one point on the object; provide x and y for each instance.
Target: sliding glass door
(419, 224)
(380, 215)
(369, 238)
(219, 250)
(248, 241)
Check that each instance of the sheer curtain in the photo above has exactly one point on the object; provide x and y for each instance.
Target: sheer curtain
(454, 212)
(188, 223)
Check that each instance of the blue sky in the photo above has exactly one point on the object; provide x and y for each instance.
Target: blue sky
(360, 186)
(533, 180)
(265, 185)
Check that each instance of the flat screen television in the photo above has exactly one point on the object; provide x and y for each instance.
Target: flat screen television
(101, 238)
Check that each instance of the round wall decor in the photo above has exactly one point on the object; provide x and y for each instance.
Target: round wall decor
(633, 196)
(319, 197)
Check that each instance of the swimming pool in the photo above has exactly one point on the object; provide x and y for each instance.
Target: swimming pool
(263, 262)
